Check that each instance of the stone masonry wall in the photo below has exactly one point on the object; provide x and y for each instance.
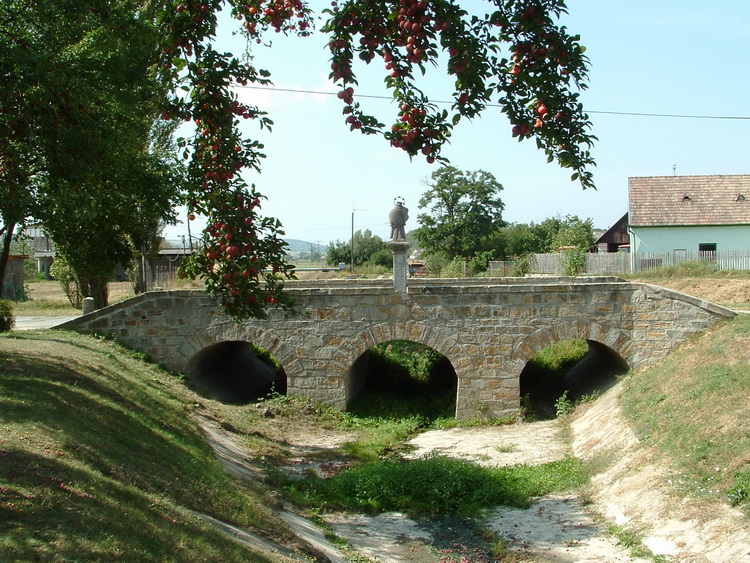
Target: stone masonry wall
(488, 328)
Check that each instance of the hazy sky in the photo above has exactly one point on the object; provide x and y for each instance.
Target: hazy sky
(676, 57)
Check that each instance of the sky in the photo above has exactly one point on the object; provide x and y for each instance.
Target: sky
(647, 60)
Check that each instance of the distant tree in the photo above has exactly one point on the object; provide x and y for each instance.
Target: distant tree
(574, 232)
(339, 252)
(573, 239)
(464, 209)
(164, 176)
(550, 235)
(383, 257)
(520, 239)
(366, 248)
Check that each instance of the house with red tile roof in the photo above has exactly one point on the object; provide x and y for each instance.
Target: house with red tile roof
(689, 213)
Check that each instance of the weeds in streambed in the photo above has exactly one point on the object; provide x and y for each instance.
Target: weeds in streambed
(435, 486)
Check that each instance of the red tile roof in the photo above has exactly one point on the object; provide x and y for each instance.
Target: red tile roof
(689, 200)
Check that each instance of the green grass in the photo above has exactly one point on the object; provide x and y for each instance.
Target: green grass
(632, 541)
(554, 361)
(45, 308)
(100, 460)
(693, 406)
(436, 486)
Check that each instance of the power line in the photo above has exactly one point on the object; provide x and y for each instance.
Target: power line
(623, 113)
(676, 115)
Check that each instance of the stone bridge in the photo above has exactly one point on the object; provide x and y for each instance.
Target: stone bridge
(488, 328)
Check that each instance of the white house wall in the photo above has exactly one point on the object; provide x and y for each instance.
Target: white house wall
(669, 239)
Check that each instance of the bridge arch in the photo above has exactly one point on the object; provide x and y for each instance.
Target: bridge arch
(222, 363)
(597, 371)
(615, 338)
(381, 333)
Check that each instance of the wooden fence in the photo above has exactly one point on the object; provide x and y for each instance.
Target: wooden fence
(625, 263)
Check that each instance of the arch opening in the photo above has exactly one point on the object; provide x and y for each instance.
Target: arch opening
(568, 370)
(235, 372)
(402, 378)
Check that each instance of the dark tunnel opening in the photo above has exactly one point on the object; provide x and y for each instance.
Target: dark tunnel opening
(235, 372)
(402, 378)
(585, 368)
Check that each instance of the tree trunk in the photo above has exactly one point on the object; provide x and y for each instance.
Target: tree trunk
(5, 253)
(96, 288)
(140, 284)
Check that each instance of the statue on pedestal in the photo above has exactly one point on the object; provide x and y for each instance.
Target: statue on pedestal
(398, 217)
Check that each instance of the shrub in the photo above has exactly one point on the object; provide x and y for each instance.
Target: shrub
(573, 261)
(7, 320)
(478, 264)
(456, 268)
(63, 273)
(522, 266)
(382, 257)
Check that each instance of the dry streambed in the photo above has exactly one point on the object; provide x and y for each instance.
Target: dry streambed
(629, 492)
(555, 528)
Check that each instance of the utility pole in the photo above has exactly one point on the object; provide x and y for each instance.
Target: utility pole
(352, 241)
(352, 244)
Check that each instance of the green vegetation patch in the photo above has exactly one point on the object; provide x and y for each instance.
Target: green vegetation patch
(557, 359)
(411, 367)
(7, 320)
(693, 406)
(437, 486)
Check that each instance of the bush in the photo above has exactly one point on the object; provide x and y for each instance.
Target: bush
(7, 320)
(522, 266)
(456, 268)
(478, 264)
(573, 261)
(382, 258)
(63, 273)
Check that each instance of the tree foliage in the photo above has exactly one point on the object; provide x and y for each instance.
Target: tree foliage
(574, 232)
(59, 128)
(516, 55)
(550, 235)
(464, 210)
(368, 248)
(75, 155)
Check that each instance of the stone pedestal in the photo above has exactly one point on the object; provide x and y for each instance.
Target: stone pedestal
(400, 269)
(88, 305)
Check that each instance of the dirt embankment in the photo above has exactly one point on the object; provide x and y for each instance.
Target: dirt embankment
(726, 291)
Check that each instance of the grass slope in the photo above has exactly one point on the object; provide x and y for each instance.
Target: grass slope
(99, 458)
(694, 407)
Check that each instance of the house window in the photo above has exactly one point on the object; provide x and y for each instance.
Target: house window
(707, 247)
